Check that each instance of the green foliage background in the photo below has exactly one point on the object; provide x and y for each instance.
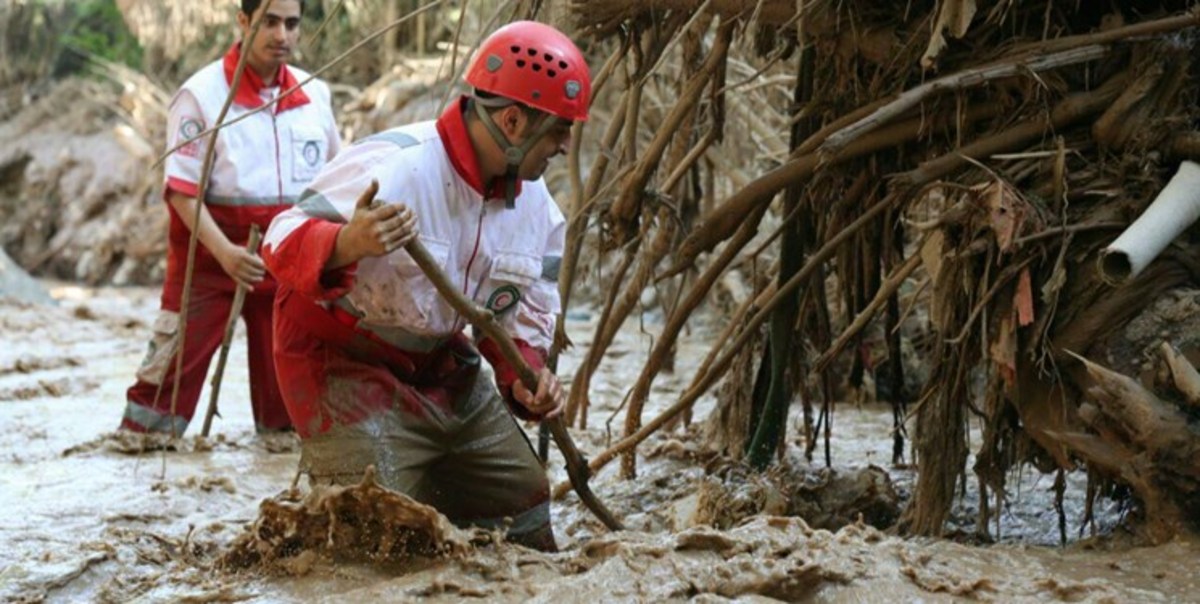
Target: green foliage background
(42, 39)
(96, 27)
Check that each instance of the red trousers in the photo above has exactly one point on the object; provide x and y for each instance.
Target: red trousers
(149, 400)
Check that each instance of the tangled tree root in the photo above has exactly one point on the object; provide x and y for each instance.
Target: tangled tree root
(1146, 442)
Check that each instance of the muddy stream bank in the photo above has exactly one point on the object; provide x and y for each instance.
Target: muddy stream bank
(85, 516)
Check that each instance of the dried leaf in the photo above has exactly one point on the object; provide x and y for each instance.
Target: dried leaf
(1023, 299)
(955, 16)
(931, 256)
(1006, 211)
(1004, 351)
(1057, 280)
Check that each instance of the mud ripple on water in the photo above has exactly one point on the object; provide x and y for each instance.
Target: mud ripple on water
(134, 443)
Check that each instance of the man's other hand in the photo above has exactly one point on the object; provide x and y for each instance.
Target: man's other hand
(246, 268)
(548, 401)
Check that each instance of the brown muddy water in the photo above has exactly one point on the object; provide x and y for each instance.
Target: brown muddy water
(85, 516)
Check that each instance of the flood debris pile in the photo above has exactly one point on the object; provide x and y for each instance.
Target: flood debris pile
(951, 176)
(361, 522)
(825, 498)
(837, 499)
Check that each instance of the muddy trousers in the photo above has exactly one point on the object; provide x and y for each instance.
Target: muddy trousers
(471, 461)
(148, 406)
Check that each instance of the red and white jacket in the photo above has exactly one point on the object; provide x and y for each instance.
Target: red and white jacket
(261, 164)
(505, 259)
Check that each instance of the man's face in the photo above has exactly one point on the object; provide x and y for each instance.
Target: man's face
(557, 141)
(276, 38)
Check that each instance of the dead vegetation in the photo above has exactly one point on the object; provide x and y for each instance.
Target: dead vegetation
(825, 499)
(965, 160)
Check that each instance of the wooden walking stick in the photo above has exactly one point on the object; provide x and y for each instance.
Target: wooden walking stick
(577, 465)
(239, 298)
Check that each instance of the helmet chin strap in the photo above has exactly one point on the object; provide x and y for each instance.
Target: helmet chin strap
(513, 154)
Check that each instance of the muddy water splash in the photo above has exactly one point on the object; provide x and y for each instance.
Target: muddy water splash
(360, 522)
(116, 520)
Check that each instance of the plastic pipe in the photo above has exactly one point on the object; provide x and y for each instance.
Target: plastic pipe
(1173, 211)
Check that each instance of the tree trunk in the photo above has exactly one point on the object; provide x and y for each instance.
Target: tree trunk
(1146, 443)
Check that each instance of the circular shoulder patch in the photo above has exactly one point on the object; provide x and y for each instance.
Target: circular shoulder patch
(189, 128)
(504, 298)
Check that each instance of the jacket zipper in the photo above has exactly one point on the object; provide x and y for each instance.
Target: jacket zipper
(474, 252)
(278, 160)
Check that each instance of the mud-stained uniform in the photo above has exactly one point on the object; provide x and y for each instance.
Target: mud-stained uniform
(376, 367)
(260, 167)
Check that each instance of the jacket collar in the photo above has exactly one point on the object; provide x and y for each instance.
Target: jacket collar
(248, 89)
(452, 129)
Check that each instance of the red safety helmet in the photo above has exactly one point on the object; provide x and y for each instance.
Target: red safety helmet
(534, 64)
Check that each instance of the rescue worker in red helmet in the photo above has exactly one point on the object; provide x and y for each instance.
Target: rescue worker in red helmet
(376, 369)
(261, 165)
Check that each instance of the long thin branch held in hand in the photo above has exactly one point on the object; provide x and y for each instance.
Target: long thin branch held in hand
(577, 466)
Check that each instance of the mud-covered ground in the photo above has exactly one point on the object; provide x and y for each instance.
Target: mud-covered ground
(86, 516)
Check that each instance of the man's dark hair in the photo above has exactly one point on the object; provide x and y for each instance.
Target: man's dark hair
(249, 6)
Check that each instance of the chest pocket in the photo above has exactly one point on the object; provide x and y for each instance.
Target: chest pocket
(512, 274)
(415, 298)
(309, 148)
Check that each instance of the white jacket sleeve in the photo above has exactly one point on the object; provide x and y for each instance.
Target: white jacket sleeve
(330, 196)
(185, 120)
(301, 239)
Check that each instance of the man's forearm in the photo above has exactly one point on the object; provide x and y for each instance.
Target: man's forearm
(210, 234)
(342, 255)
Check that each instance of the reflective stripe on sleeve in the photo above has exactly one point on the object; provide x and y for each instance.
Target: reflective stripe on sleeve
(316, 205)
(399, 139)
